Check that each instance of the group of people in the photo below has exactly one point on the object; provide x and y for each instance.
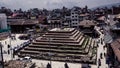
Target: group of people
(102, 54)
(13, 38)
(65, 65)
(101, 57)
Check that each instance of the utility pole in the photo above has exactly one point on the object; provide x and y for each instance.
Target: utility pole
(50, 54)
(1, 59)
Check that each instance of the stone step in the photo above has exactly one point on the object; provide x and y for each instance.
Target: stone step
(54, 36)
(81, 42)
(87, 47)
(79, 38)
(53, 53)
(63, 59)
(78, 35)
(74, 32)
(74, 36)
(55, 50)
(55, 43)
(58, 34)
(56, 47)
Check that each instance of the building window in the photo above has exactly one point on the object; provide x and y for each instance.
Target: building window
(72, 16)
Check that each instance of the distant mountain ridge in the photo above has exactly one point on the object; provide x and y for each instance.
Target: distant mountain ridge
(2, 4)
(108, 6)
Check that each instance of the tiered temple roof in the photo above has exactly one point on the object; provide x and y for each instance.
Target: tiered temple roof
(67, 44)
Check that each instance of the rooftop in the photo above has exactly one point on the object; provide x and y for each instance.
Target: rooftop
(118, 16)
(102, 18)
(18, 64)
(116, 48)
(23, 22)
(64, 29)
(87, 23)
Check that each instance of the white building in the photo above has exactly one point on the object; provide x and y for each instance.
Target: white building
(3, 21)
(67, 21)
(74, 18)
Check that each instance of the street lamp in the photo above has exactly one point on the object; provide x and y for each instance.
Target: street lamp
(10, 48)
(50, 54)
(50, 58)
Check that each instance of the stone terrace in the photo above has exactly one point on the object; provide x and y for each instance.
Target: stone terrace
(67, 45)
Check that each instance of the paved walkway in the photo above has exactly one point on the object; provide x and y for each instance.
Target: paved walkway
(101, 50)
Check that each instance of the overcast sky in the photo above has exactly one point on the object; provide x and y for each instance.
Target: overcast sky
(50, 4)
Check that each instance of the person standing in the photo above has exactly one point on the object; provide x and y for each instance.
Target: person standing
(104, 55)
(66, 65)
(48, 65)
(13, 53)
(99, 62)
(8, 46)
(101, 55)
(104, 47)
(8, 51)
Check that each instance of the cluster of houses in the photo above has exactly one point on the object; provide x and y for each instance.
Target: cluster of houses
(57, 18)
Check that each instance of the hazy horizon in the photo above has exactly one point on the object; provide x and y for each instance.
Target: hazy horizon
(51, 4)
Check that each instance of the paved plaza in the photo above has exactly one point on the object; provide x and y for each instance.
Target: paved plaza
(43, 63)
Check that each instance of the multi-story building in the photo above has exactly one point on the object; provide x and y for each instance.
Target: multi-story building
(115, 10)
(74, 17)
(69, 17)
(55, 22)
(4, 30)
(67, 20)
(3, 21)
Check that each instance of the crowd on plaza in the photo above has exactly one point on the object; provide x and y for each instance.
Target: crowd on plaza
(103, 53)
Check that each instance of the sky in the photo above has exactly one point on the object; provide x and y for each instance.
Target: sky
(51, 4)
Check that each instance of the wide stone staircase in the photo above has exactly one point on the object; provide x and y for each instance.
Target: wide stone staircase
(67, 45)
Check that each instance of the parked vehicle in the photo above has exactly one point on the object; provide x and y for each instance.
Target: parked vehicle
(27, 58)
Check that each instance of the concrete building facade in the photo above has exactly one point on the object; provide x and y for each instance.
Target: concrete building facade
(3, 21)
